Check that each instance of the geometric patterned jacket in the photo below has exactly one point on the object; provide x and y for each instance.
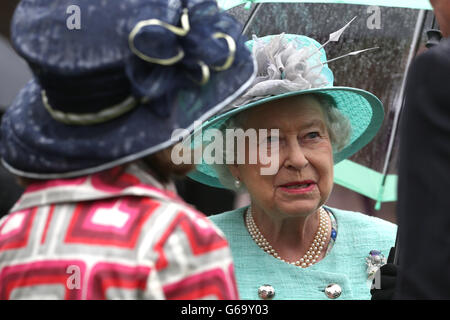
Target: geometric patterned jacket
(117, 234)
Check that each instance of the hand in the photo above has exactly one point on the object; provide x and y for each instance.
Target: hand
(388, 278)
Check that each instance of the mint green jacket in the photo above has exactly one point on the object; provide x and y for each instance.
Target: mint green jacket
(344, 265)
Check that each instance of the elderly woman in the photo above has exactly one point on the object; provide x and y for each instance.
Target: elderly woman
(287, 244)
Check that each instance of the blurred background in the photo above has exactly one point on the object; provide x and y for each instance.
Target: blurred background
(400, 33)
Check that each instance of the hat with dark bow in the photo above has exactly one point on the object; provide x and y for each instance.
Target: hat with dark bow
(114, 79)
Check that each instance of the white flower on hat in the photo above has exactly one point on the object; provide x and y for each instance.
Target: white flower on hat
(282, 68)
(287, 66)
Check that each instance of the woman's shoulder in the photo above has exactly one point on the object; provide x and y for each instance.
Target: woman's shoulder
(363, 219)
(230, 221)
(361, 226)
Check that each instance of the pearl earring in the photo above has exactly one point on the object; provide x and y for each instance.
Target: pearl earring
(237, 183)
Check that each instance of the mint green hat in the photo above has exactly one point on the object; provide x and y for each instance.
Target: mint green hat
(292, 65)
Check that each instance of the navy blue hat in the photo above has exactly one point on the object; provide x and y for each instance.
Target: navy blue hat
(114, 79)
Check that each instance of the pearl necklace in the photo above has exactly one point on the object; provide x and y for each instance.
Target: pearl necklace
(314, 251)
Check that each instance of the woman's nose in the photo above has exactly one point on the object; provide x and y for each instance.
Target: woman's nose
(295, 156)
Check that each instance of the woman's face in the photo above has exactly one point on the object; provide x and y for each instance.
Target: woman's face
(305, 174)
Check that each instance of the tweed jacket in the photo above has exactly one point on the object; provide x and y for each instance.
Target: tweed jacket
(344, 265)
(117, 234)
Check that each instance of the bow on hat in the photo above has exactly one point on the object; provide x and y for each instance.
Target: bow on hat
(176, 46)
(180, 48)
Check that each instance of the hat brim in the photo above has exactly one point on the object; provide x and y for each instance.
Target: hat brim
(34, 145)
(363, 109)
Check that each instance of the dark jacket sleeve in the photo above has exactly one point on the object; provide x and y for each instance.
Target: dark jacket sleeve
(424, 179)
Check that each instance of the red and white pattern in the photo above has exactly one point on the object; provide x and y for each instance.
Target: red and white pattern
(117, 234)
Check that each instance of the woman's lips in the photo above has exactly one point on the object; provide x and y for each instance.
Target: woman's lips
(298, 187)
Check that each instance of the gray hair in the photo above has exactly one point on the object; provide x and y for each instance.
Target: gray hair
(338, 127)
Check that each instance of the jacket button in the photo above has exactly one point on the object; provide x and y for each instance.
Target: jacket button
(333, 291)
(266, 292)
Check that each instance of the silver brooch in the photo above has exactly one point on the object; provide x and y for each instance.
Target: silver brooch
(374, 262)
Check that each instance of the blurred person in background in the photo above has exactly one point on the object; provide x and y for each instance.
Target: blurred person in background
(424, 172)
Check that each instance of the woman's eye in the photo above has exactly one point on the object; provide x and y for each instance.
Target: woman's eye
(313, 135)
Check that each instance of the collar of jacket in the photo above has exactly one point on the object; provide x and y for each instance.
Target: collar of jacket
(130, 180)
